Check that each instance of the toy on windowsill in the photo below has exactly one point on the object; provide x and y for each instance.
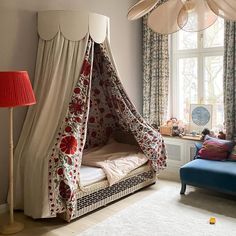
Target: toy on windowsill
(221, 135)
(172, 127)
(204, 133)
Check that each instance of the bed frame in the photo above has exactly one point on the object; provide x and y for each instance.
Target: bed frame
(100, 194)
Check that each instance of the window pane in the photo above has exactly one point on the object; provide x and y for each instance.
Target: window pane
(213, 88)
(187, 40)
(214, 35)
(188, 85)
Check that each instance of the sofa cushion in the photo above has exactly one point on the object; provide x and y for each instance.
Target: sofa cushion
(217, 175)
(215, 149)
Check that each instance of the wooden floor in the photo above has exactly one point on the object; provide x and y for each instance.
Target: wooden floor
(58, 227)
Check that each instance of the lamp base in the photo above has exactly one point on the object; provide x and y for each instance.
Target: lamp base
(13, 228)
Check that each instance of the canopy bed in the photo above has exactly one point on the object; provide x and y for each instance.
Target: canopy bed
(83, 113)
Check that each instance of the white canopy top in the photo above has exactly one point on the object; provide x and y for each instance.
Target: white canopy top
(74, 25)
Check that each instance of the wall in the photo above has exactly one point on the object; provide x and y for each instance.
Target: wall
(18, 48)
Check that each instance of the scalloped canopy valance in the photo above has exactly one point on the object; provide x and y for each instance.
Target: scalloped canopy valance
(74, 25)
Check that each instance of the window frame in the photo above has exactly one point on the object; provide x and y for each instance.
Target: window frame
(200, 53)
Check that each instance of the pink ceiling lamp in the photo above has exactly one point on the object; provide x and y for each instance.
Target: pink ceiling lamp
(189, 15)
(15, 90)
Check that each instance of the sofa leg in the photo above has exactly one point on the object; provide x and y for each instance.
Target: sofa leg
(183, 188)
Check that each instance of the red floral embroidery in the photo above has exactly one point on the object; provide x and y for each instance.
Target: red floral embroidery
(86, 68)
(94, 134)
(60, 171)
(78, 119)
(69, 161)
(86, 82)
(77, 90)
(96, 91)
(64, 190)
(68, 129)
(68, 145)
(91, 120)
(76, 106)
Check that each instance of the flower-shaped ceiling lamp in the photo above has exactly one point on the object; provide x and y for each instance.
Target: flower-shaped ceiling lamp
(189, 15)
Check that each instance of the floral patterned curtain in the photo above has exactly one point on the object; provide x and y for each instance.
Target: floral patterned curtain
(155, 75)
(230, 79)
(98, 107)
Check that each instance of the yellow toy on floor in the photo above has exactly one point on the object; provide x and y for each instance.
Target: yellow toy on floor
(212, 220)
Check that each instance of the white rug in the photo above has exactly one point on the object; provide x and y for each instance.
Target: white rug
(166, 213)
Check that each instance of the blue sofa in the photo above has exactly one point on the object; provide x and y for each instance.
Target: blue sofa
(214, 175)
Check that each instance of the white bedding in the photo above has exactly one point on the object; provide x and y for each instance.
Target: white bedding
(90, 175)
(116, 159)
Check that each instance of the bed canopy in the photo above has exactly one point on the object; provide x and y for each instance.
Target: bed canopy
(81, 102)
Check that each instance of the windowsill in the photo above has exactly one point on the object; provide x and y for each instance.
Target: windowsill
(187, 138)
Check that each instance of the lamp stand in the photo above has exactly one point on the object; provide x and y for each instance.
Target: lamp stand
(13, 226)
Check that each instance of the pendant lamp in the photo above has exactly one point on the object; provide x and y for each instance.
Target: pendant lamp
(189, 15)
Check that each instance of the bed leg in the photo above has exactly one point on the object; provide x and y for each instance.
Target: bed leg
(183, 188)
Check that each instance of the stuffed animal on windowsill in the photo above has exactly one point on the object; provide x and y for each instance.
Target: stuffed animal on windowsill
(221, 135)
(206, 131)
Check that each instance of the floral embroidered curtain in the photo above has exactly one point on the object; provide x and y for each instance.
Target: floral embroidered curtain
(155, 75)
(230, 79)
(99, 106)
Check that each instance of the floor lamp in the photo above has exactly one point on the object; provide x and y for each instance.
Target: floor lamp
(15, 90)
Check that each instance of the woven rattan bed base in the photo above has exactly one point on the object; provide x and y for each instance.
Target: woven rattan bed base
(100, 194)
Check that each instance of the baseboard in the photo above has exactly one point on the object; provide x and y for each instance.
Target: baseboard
(3, 208)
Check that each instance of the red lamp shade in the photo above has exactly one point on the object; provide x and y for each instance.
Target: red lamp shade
(15, 89)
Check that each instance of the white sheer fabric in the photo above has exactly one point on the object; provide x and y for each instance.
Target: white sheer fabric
(57, 69)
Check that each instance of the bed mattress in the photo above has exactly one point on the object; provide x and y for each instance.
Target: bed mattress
(90, 175)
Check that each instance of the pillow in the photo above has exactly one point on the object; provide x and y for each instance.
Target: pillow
(215, 149)
(232, 156)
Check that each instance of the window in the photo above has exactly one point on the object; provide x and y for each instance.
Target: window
(197, 72)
